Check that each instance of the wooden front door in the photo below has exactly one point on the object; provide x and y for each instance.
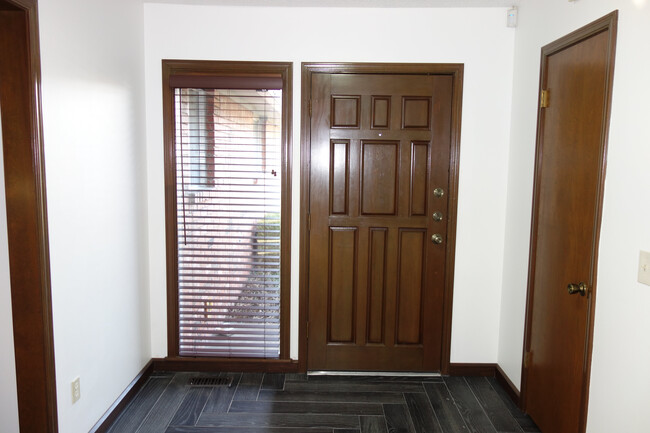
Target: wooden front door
(380, 172)
(571, 149)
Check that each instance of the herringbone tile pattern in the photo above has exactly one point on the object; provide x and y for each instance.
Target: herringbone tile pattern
(292, 403)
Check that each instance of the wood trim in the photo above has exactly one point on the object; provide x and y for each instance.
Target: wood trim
(219, 82)
(608, 23)
(611, 23)
(226, 364)
(107, 420)
(27, 219)
(305, 169)
(283, 70)
(307, 70)
(287, 199)
(170, 214)
(509, 387)
(189, 365)
(487, 370)
(454, 167)
(469, 369)
(382, 68)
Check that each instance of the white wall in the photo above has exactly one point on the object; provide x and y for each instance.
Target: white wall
(619, 394)
(476, 37)
(8, 396)
(93, 112)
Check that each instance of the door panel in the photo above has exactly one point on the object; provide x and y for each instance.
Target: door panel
(411, 271)
(570, 165)
(342, 284)
(379, 177)
(376, 284)
(380, 144)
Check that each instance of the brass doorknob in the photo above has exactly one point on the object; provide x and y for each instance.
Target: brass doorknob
(438, 192)
(436, 239)
(581, 288)
(437, 216)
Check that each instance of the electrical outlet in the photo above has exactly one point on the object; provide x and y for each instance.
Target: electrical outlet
(76, 390)
(644, 267)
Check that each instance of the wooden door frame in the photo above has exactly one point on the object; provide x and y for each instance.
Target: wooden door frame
(28, 240)
(608, 23)
(454, 70)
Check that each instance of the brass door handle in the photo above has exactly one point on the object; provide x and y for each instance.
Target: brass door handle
(581, 288)
(436, 239)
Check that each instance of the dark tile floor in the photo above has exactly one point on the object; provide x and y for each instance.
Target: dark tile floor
(278, 403)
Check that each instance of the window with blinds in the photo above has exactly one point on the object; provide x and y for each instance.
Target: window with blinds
(227, 144)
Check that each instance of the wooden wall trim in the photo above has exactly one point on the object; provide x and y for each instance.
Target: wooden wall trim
(27, 217)
(305, 168)
(307, 70)
(472, 369)
(487, 370)
(507, 385)
(226, 364)
(266, 366)
(454, 167)
(123, 400)
(187, 365)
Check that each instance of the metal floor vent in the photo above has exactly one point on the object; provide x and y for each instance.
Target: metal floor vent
(210, 381)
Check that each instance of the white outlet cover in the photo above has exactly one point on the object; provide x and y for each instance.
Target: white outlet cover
(644, 268)
(76, 390)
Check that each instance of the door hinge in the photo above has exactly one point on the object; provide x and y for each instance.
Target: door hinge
(310, 108)
(527, 358)
(307, 330)
(543, 99)
(308, 222)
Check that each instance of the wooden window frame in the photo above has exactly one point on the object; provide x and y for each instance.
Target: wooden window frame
(203, 70)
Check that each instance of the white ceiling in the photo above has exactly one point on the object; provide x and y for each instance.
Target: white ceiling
(349, 3)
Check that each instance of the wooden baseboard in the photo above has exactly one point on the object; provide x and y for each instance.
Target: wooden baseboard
(460, 369)
(184, 364)
(508, 386)
(123, 400)
(229, 364)
(267, 366)
(488, 370)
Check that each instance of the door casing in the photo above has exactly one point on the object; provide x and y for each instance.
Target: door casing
(454, 70)
(606, 23)
(27, 221)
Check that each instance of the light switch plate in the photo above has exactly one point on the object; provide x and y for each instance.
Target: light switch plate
(644, 268)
